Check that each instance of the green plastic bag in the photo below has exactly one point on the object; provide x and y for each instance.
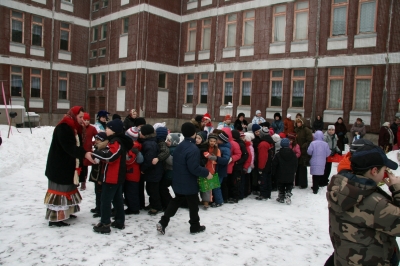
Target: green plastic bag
(207, 185)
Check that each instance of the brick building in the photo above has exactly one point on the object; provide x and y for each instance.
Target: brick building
(171, 59)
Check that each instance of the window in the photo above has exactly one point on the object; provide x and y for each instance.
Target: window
(93, 81)
(248, 27)
(298, 87)
(363, 82)
(246, 88)
(95, 34)
(203, 88)
(367, 13)
(95, 7)
(122, 79)
(65, 35)
(105, 3)
(36, 77)
(301, 20)
(16, 81)
(276, 87)
(228, 88)
(162, 80)
(102, 80)
(206, 43)
(93, 54)
(192, 37)
(339, 18)
(335, 87)
(102, 52)
(104, 31)
(279, 24)
(37, 30)
(231, 30)
(125, 25)
(189, 88)
(62, 85)
(17, 26)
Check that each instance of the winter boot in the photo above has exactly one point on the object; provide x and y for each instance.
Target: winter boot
(261, 198)
(205, 205)
(281, 198)
(197, 230)
(161, 228)
(58, 224)
(102, 228)
(288, 198)
(118, 226)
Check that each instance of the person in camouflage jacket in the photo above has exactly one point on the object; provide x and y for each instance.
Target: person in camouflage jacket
(364, 221)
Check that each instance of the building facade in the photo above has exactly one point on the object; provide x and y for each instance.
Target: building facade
(172, 59)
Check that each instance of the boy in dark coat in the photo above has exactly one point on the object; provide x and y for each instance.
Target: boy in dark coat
(284, 166)
(187, 169)
(114, 176)
(238, 166)
(265, 154)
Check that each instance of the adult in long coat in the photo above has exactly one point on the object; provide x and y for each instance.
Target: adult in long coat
(386, 137)
(64, 163)
(340, 131)
(288, 125)
(187, 169)
(129, 120)
(303, 139)
(358, 129)
(319, 151)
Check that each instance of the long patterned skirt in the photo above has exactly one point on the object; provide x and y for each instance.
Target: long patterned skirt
(61, 201)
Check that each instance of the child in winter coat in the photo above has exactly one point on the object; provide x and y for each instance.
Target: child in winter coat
(319, 151)
(161, 135)
(235, 166)
(247, 166)
(293, 145)
(265, 155)
(114, 156)
(277, 125)
(133, 160)
(102, 118)
(332, 139)
(211, 154)
(101, 142)
(91, 131)
(284, 166)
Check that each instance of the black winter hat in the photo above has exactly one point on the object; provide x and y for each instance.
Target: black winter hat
(162, 133)
(203, 135)
(188, 129)
(236, 134)
(223, 136)
(140, 121)
(116, 125)
(369, 156)
(147, 130)
(102, 136)
(116, 116)
(198, 118)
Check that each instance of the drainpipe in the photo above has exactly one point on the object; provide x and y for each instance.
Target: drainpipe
(384, 93)
(108, 59)
(215, 65)
(50, 115)
(145, 60)
(88, 58)
(176, 126)
(314, 101)
(136, 55)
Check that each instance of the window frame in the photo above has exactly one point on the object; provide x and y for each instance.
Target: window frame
(297, 11)
(244, 26)
(93, 53)
(356, 77)
(242, 79)
(104, 3)
(69, 35)
(226, 80)
(103, 35)
(270, 86)
(39, 24)
(40, 86)
(95, 34)
(96, 6)
(203, 80)
(187, 81)
(93, 81)
(100, 52)
(274, 15)
(293, 78)
(227, 31)
(330, 78)
(191, 29)
(21, 74)
(165, 80)
(359, 15)
(339, 5)
(121, 77)
(203, 28)
(22, 20)
(60, 78)
(102, 82)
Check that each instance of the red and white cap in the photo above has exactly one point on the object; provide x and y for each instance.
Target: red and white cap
(133, 132)
(206, 116)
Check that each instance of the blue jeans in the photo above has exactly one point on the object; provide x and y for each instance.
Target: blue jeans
(112, 193)
(217, 193)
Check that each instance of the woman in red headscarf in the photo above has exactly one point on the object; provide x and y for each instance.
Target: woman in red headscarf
(63, 166)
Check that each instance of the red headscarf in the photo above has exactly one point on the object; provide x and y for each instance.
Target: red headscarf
(70, 120)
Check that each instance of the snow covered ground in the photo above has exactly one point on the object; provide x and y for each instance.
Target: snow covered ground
(247, 233)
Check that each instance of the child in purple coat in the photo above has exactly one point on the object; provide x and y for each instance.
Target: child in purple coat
(319, 151)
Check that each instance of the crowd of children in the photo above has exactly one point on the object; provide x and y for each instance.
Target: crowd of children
(254, 160)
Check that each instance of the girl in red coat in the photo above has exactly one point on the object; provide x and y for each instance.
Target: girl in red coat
(91, 131)
(265, 154)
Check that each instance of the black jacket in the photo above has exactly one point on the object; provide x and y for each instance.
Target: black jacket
(284, 165)
(63, 152)
(150, 150)
(129, 122)
(238, 125)
(245, 155)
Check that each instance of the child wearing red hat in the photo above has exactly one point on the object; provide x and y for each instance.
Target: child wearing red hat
(91, 131)
(226, 123)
